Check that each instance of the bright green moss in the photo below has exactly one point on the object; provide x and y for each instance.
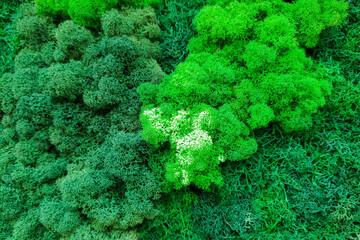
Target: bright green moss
(246, 69)
(302, 185)
(85, 12)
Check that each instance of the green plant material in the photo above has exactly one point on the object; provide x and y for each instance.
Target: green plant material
(176, 23)
(69, 35)
(9, 40)
(246, 69)
(54, 216)
(339, 49)
(293, 188)
(296, 186)
(175, 220)
(303, 185)
(114, 189)
(72, 161)
(86, 12)
(217, 220)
